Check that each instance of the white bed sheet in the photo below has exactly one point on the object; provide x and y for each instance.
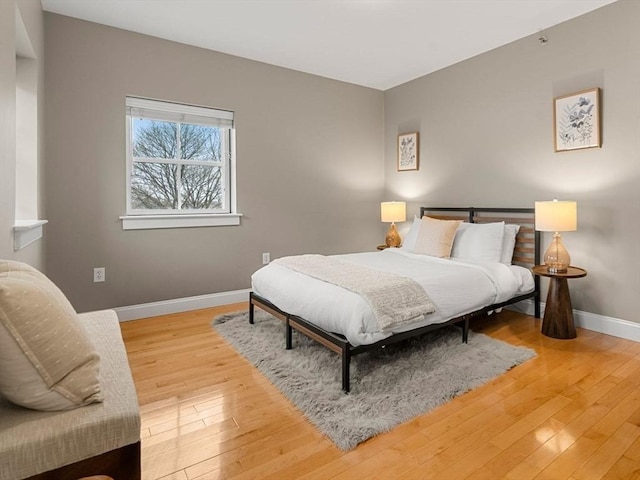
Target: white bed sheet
(455, 286)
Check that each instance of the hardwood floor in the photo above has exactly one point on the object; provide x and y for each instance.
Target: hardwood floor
(573, 412)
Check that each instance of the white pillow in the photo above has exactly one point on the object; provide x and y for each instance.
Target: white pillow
(436, 237)
(509, 242)
(479, 241)
(410, 238)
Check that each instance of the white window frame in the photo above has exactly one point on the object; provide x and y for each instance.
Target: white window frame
(179, 113)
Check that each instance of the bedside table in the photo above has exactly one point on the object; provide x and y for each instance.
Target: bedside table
(558, 313)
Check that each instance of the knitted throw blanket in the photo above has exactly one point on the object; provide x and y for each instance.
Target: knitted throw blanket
(394, 299)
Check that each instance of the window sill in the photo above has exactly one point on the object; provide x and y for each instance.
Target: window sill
(25, 232)
(144, 222)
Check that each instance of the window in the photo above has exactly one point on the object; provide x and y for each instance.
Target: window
(180, 165)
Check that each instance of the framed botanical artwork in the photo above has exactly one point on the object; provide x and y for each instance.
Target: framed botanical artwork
(408, 151)
(576, 120)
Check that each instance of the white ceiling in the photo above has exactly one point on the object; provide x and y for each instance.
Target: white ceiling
(375, 43)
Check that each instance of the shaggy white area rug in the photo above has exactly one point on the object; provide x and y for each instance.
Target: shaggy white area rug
(388, 386)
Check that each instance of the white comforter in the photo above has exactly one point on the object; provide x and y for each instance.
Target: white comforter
(455, 286)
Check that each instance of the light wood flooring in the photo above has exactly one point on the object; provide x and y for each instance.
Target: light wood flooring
(571, 413)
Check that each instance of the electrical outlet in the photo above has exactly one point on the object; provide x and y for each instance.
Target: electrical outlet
(98, 274)
(266, 258)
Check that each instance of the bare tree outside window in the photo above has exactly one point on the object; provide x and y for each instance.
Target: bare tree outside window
(176, 166)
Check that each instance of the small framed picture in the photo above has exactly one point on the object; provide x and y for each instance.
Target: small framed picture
(576, 120)
(408, 151)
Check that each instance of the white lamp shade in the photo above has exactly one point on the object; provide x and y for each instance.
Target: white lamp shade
(555, 216)
(393, 211)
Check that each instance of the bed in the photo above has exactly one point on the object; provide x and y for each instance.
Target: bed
(483, 275)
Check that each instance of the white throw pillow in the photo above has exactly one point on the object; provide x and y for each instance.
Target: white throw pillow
(479, 241)
(410, 238)
(47, 360)
(436, 237)
(509, 243)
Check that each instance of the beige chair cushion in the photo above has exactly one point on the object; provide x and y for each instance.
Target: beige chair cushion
(47, 360)
(32, 442)
(435, 237)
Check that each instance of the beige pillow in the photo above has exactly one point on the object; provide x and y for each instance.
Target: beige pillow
(435, 237)
(47, 360)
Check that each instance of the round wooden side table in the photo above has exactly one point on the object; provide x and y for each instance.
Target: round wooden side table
(558, 313)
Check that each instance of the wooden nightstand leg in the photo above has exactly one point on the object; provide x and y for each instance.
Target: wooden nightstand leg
(558, 313)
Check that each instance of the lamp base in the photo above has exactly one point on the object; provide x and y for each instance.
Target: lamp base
(393, 237)
(556, 258)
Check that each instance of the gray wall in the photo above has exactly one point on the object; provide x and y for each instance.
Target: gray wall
(30, 12)
(310, 165)
(486, 140)
(316, 156)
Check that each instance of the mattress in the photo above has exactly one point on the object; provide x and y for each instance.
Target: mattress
(455, 286)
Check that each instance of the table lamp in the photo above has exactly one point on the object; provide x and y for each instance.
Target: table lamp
(555, 216)
(393, 212)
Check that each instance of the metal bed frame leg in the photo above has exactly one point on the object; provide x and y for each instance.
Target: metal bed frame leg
(251, 308)
(288, 330)
(346, 362)
(465, 331)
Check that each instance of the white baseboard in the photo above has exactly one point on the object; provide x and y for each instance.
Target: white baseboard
(608, 325)
(144, 310)
(592, 321)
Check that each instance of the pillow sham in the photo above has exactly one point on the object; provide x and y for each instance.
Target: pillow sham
(509, 242)
(47, 361)
(435, 237)
(479, 241)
